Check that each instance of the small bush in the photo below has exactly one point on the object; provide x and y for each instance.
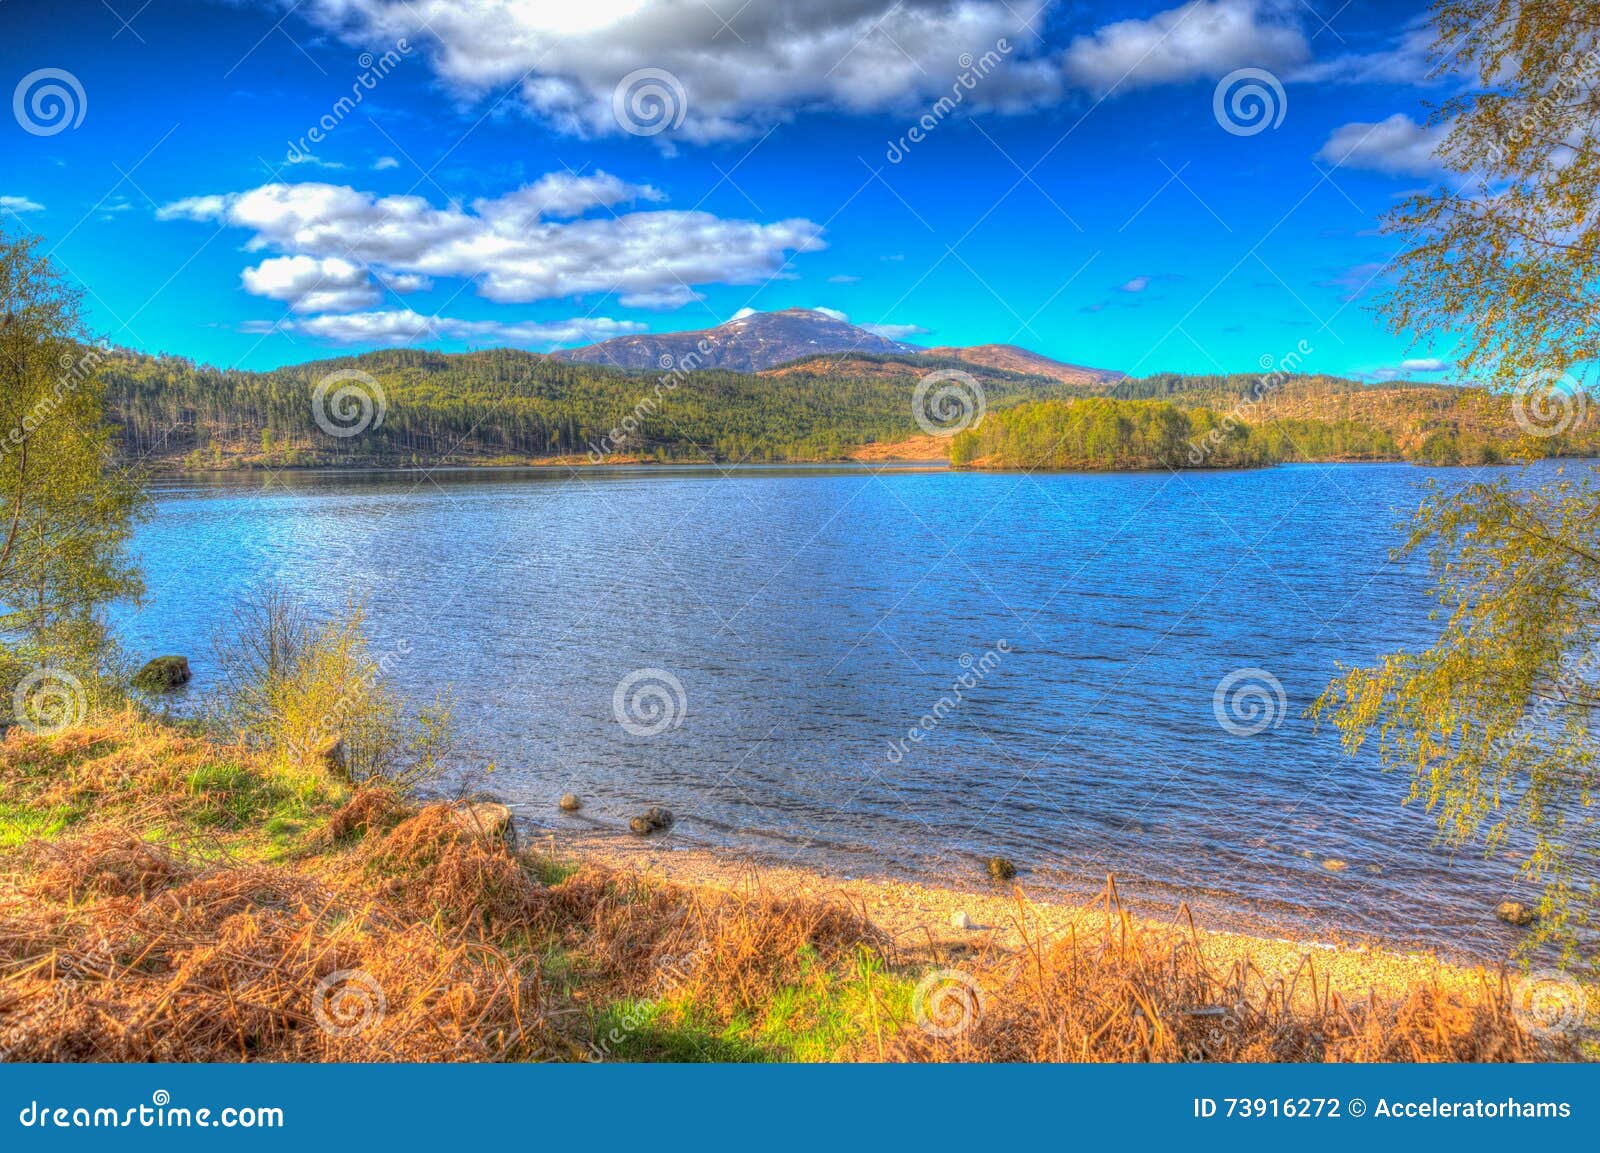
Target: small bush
(292, 685)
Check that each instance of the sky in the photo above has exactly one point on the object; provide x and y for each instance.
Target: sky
(1138, 186)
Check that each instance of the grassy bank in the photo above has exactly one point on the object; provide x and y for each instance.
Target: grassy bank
(169, 898)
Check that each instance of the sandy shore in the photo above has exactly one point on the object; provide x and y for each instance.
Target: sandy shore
(923, 918)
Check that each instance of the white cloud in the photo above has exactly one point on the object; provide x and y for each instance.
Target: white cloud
(1200, 40)
(402, 326)
(896, 331)
(771, 59)
(844, 278)
(1398, 146)
(1425, 364)
(887, 331)
(1407, 62)
(509, 245)
(312, 285)
(1137, 284)
(19, 204)
(384, 162)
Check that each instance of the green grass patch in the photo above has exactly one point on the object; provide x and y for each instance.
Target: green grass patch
(21, 823)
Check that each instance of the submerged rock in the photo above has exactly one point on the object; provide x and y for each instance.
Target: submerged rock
(570, 803)
(653, 818)
(1335, 865)
(163, 674)
(1001, 868)
(1515, 913)
(489, 819)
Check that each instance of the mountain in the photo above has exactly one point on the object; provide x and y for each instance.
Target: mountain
(748, 344)
(1010, 358)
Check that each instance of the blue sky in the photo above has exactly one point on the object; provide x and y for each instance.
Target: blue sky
(1088, 197)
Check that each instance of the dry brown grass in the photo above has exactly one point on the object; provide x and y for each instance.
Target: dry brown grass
(1130, 991)
(133, 937)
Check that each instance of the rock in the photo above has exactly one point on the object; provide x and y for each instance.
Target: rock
(162, 675)
(1335, 865)
(1515, 913)
(961, 921)
(489, 819)
(653, 818)
(329, 756)
(1001, 868)
(570, 803)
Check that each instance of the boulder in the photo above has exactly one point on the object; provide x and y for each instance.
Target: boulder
(489, 819)
(1001, 868)
(570, 803)
(162, 675)
(652, 819)
(1515, 913)
(960, 920)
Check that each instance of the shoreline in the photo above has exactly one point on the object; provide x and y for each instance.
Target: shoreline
(921, 918)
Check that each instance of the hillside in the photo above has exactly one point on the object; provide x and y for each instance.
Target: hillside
(412, 407)
(746, 344)
(1010, 358)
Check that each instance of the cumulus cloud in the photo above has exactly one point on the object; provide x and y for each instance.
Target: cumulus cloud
(1398, 146)
(526, 245)
(1425, 364)
(1204, 39)
(19, 204)
(1137, 284)
(770, 58)
(401, 326)
(312, 285)
(385, 162)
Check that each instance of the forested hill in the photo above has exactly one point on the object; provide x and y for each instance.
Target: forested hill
(506, 406)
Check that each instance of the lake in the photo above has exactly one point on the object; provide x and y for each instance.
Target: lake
(893, 672)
